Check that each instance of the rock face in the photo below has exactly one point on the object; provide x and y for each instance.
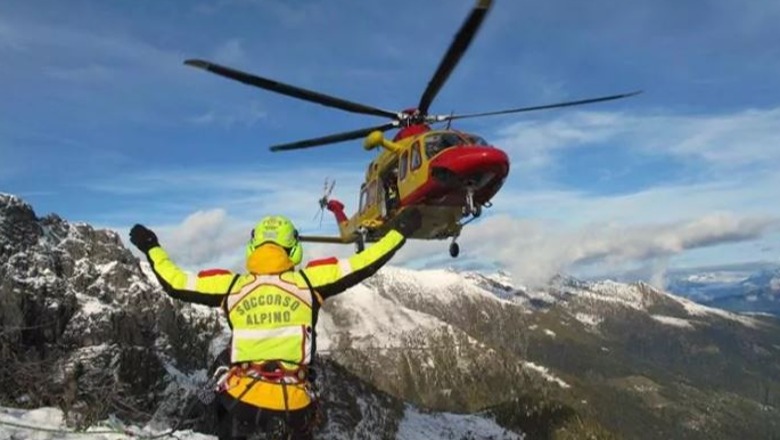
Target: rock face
(82, 324)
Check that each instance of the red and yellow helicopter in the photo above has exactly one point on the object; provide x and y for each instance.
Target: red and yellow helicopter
(449, 175)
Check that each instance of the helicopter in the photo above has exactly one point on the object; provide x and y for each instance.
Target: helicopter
(447, 174)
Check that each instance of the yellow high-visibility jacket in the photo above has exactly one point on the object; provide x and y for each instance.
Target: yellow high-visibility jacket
(272, 309)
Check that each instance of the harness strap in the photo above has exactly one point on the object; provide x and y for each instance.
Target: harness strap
(225, 301)
(315, 295)
(271, 371)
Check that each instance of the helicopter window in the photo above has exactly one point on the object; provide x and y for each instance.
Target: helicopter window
(435, 143)
(416, 157)
(363, 200)
(403, 162)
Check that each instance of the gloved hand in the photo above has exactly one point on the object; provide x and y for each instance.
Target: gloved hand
(409, 221)
(143, 238)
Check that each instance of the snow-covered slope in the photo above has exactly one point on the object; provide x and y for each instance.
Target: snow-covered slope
(429, 335)
(49, 424)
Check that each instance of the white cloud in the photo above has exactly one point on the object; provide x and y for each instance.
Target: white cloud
(89, 73)
(227, 118)
(249, 194)
(9, 39)
(214, 239)
(755, 194)
(533, 251)
(747, 137)
(230, 52)
(57, 40)
(205, 239)
(531, 143)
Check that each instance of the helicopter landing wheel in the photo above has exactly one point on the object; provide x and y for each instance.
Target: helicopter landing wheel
(477, 211)
(454, 249)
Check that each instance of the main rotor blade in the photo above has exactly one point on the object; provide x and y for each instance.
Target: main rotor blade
(538, 107)
(293, 91)
(454, 53)
(333, 138)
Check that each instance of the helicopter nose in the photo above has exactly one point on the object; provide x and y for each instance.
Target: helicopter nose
(475, 166)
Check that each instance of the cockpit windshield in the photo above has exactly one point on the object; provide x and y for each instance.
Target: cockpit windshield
(475, 140)
(438, 142)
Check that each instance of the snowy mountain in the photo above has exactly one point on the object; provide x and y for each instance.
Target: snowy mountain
(751, 288)
(603, 352)
(408, 354)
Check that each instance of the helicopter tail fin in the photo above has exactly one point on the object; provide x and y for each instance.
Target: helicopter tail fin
(337, 208)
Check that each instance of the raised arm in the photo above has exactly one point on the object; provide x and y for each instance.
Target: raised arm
(204, 288)
(339, 275)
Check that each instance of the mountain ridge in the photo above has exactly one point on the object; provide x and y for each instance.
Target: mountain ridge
(572, 359)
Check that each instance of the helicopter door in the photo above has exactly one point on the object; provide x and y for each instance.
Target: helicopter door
(389, 190)
(403, 167)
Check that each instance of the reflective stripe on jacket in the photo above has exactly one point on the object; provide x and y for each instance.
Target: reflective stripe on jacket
(271, 318)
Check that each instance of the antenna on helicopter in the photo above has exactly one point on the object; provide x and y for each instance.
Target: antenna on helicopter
(327, 189)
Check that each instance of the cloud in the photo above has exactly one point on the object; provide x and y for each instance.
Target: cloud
(754, 194)
(9, 39)
(230, 52)
(748, 137)
(214, 239)
(214, 209)
(534, 251)
(54, 41)
(228, 118)
(205, 239)
(248, 192)
(89, 73)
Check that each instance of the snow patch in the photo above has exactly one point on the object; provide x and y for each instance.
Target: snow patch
(545, 373)
(589, 320)
(671, 320)
(446, 286)
(372, 320)
(549, 333)
(49, 424)
(695, 309)
(717, 277)
(417, 425)
(93, 306)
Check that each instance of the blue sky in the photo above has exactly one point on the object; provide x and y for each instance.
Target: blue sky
(100, 121)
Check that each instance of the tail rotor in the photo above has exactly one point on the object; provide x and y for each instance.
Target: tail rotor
(327, 189)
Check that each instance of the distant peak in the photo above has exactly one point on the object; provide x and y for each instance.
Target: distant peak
(15, 207)
(10, 200)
